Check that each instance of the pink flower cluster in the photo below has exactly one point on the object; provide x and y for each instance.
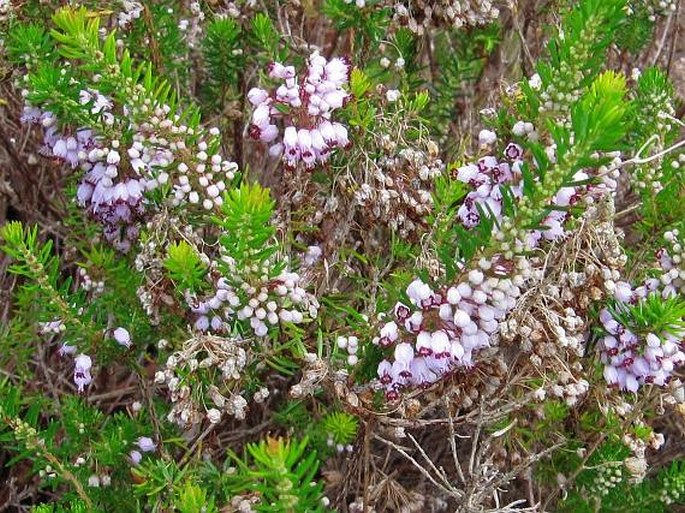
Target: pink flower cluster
(304, 108)
(488, 176)
(114, 200)
(630, 360)
(70, 148)
(163, 150)
(442, 330)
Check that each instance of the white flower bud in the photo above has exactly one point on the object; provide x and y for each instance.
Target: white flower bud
(214, 416)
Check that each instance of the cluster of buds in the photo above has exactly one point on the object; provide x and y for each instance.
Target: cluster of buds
(164, 145)
(190, 376)
(303, 107)
(656, 112)
(262, 300)
(132, 10)
(649, 177)
(444, 329)
(489, 176)
(113, 199)
(673, 488)
(396, 191)
(569, 388)
(525, 129)
(660, 8)
(72, 149)
(629, 359)
(192, 27)
(88, 284)
(245, 504)
(351, 346)
(96, 481)
(111, 194)
(116, 201)
(52, 327)
(557, 97)
(145, 444)
(420, 15)
(609, 475)
(672, 259)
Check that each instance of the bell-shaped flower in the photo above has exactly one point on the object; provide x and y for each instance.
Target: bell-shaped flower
(385, 372)
(440, 344)
(422, 375)
(82, 376)
(122, 336)
(424, 346)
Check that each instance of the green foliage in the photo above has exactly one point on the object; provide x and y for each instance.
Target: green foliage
(533, 428)
(605, 485)
(600, 475)
(77, 32)
(185, 266)
(36, 263)
(407, 45)
(576, 55)
(27, 42)
(157, 38)
(45, 297)
(54, 435)
(341, 426)
(16, 338)
(161, 479)
(265, 35)
(74, 506)
(654, 314)
(246, 223)
(362, 111)
(659, 182)
(671, 483)
(62, 440)
(459, 62)
(294, 416)
(359, 83)
(451, 240)
(194, 498)
(282, 473)
(368, 25)
(599, 119)
(97, 63)
(654, 97)
(636, 32)
(222, 48)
